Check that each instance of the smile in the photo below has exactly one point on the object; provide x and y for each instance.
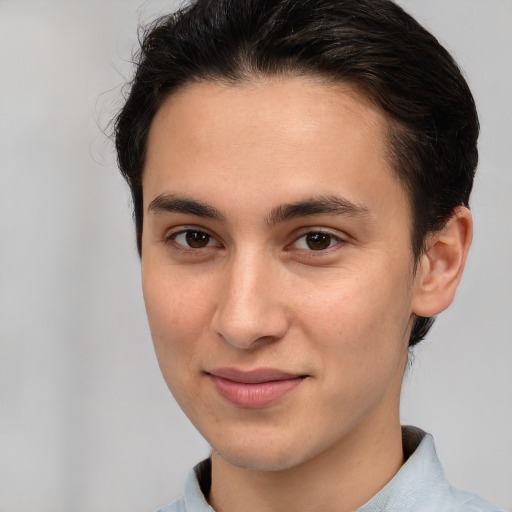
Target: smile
(253, 389)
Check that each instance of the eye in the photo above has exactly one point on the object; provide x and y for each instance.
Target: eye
(317, 241)
(194, 239)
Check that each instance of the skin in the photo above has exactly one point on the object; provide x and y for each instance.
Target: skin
(257, 296)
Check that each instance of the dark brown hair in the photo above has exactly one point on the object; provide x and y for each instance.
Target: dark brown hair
(372, 45)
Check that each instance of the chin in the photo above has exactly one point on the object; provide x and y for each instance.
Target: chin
(259, 456)
(256, 461)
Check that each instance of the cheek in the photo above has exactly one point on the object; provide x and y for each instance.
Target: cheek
(178, 312)
(357, 320)
(359, 333)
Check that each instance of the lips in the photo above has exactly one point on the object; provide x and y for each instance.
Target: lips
(253, 389)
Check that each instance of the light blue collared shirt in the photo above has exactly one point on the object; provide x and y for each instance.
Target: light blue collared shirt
(419, 485)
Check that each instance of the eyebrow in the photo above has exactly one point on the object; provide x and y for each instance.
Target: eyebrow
(171, 204)
(318, 205)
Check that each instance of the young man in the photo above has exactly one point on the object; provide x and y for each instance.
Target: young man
(300, 173)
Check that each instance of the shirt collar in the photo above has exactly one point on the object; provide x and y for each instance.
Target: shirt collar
(420, 476)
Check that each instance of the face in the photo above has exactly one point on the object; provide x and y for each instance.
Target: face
(277, 268)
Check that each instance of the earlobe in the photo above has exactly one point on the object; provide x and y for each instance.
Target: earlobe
(440, 267)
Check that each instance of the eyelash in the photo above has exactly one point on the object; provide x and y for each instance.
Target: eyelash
(331, 239)
(172, 238)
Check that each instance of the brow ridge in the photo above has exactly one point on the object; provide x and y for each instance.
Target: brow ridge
(172, 204)
(318, 205)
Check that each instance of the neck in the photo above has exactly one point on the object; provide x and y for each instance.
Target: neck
(340, 479)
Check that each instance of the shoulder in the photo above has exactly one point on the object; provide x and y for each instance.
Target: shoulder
(461, 501)
(428, 482)
(435, 493)
(420, 485)
(197, 485)
(176, 506)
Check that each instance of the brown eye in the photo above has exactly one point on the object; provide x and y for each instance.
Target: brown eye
(318, 241)
(197, 239)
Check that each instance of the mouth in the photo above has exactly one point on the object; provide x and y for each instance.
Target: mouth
(253, 389)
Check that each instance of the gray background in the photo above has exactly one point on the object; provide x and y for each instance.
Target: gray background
(86, 422)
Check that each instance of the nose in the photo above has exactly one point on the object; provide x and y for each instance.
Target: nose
(250, 309)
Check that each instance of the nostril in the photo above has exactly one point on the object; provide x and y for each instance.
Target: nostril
(247, 332)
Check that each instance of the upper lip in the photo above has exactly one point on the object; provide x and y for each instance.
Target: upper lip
(255, 376)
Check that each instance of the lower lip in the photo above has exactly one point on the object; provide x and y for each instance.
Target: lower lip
(254, 396)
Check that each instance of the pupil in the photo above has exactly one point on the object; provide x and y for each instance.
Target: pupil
(317, 241)
(197, 239)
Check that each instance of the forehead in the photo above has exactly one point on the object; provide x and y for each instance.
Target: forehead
(275, 137)
(291, 108)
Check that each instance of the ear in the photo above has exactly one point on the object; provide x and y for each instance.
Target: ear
(440, 268)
